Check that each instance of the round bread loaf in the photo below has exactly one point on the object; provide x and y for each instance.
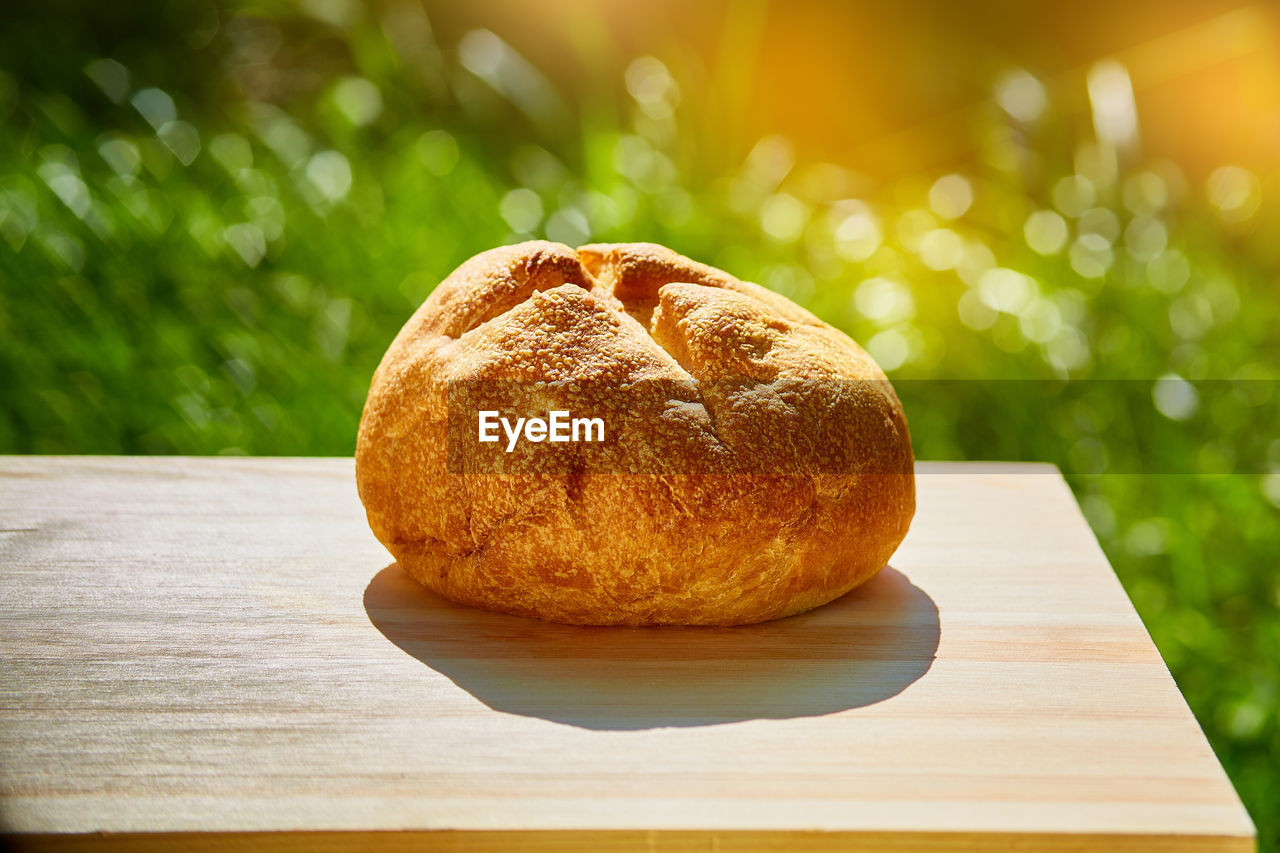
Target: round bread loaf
(756, 464)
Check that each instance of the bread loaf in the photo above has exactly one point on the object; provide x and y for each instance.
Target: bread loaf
(753, 461)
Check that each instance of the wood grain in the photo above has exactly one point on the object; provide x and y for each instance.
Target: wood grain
(203, 653)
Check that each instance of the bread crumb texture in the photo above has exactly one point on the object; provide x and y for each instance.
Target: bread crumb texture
(772, 474)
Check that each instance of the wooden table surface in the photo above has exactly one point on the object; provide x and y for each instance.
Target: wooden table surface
(216, 654)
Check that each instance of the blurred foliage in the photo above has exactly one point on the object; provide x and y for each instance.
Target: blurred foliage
(213, 222)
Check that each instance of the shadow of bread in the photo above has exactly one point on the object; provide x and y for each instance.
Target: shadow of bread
(861, 649)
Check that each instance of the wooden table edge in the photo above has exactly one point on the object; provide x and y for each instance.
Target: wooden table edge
(626, 840)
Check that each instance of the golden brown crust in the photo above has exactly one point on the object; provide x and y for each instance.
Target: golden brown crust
(773, 472)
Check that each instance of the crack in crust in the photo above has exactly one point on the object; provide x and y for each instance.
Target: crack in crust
(764, 381)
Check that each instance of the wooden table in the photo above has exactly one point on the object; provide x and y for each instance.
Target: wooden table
(217, 654)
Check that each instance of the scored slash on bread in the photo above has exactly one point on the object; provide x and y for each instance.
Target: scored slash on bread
(761, 464)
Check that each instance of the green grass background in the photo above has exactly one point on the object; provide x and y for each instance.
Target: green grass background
(185, 269)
